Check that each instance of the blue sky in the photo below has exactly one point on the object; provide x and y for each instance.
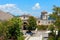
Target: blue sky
(33, 7)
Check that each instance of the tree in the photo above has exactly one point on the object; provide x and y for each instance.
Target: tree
(56, 12)
(56, 15)
(58, 38)
(51, 27)
(3, 29)
(51, 38)
(14, 28)
(32, 23)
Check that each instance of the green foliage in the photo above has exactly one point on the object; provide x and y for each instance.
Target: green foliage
(58, 38)
(32, 23)
(14, 27)
(42, 27)
(57, 23)
(56, 9)
(55, 15)
(1, 29)
(21, 38)
(51, 38)
(51, 27)
(11, 28)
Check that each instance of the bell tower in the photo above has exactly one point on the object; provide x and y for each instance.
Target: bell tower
(44, 15)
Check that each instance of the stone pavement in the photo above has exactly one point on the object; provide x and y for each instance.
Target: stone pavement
(36, 38)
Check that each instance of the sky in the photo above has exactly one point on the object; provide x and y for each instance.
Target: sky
(30, 7)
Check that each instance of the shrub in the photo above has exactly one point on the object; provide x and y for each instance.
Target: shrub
(42, 27)
(51, 38)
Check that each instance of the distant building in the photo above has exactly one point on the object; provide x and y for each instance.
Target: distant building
(24, 18)
(43, 20)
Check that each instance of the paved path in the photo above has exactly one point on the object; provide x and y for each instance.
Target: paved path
(36, 38)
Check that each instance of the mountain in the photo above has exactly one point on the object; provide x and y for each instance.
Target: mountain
(5, 15)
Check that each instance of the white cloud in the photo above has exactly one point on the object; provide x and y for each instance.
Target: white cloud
(12, 8)
(7, 6)
(36, 6)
